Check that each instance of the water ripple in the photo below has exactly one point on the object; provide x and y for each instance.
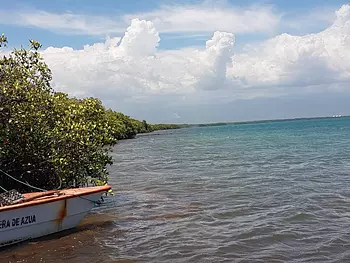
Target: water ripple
(270, 192)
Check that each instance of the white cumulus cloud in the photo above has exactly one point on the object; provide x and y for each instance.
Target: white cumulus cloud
(288, 60)
(132, 66)
(214, 61)
(141, 39)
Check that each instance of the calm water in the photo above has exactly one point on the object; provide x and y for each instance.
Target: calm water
(268, 192)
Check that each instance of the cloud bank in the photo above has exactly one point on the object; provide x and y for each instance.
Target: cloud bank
(288, 60)
(132, 66)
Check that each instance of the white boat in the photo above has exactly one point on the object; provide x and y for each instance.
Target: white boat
(43, 213)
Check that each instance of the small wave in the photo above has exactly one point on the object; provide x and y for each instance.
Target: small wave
(172, 215)
(301, 216)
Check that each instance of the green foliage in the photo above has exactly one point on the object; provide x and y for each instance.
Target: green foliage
(48, 139)
(156, 127)
(3, 40)
(25, 99)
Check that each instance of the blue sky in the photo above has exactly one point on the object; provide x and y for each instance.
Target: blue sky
(20, 33)
(165, 54)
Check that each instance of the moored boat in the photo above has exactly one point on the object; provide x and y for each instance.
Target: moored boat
(44, 213)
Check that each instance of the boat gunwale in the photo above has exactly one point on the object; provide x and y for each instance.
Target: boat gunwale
(67, 194)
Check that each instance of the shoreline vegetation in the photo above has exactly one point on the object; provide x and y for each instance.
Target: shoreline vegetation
(48, 139)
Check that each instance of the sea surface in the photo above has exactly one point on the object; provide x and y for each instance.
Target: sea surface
(259, 192)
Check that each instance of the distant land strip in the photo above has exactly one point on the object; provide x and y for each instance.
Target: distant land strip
(258, 121)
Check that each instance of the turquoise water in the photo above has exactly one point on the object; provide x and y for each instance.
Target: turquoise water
(264, 192)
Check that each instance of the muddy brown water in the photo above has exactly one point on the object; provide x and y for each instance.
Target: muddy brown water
(82, 244)
(86, 242)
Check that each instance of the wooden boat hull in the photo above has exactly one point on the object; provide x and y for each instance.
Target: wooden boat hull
(47, 215)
